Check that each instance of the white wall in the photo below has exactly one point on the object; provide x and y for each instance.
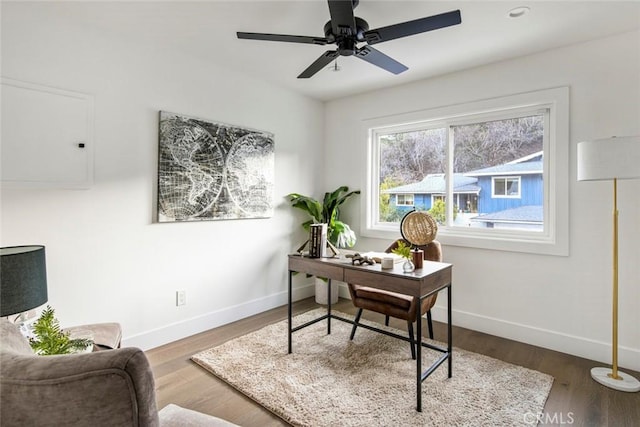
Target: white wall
(106, 258)
(562, 303)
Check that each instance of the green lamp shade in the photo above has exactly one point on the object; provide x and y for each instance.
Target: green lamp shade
(23, 279)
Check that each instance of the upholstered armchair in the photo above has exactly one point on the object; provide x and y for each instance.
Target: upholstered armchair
(106, 388)
(394, 304)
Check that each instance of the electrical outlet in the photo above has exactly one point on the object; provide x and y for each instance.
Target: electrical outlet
(181, 298)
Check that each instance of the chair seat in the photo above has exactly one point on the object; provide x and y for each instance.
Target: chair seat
(387, 297)
(177, 416)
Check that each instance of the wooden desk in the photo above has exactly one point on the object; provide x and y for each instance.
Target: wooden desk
(431, 278)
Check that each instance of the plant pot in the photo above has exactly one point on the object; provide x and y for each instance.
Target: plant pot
(321, 291)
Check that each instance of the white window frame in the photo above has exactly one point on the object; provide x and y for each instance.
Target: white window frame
(554, 240)
(506, 195)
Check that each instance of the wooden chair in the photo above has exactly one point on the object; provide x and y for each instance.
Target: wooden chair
(394, 304)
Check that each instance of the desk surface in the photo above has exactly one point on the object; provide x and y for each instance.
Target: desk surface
(432, 277)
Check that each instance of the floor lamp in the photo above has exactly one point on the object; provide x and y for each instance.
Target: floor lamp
(611, 159)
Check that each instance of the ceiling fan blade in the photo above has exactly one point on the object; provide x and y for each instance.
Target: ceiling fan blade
(319, 64)
(283, 38)
(375, 57)
(342, 19)
(391, 32)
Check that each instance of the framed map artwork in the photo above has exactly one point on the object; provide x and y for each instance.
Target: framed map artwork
(211, 171)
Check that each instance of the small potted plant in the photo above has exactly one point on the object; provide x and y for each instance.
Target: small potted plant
(404, 251)
(50, 339)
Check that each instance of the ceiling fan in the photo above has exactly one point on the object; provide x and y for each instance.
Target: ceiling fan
(347, 30)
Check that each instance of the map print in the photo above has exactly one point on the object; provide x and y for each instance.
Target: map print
(210, 171)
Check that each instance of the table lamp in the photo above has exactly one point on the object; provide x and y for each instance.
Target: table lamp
(23, 280)
(611, 159)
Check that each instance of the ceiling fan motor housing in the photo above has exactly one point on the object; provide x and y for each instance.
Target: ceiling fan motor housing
(347, 40)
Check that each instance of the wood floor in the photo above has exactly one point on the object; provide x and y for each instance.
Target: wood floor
(575, 399)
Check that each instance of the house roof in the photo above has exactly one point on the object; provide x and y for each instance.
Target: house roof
(530, 164)
(436, 183)
(522, 214)
(509, 169)
(531, 157)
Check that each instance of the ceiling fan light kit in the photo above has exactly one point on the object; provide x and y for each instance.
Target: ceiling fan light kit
(346, 31)
(335, 67)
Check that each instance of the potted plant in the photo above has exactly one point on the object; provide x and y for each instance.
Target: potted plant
(327, 212)
(339, 233)
(404, 251)
(50, 339)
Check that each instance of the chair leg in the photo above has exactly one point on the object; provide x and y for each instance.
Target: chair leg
(386, 320)
(413, 347)
(355, 324)
(430, 324)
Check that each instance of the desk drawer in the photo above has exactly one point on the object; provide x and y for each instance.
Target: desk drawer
(316, 267)
(388, 282)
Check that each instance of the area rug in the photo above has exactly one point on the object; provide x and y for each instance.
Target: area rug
(329, 380)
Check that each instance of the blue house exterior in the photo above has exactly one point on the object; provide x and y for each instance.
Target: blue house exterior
(422, 195)
(503, 196)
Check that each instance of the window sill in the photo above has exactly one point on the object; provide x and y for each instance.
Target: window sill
(498, 240)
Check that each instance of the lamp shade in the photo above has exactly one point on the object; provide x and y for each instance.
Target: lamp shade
(610, 158)
(23, 279)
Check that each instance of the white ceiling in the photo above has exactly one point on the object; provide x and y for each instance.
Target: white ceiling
(208, 29)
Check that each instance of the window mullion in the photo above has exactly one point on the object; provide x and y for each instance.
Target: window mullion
(373, 212)
(449, 178)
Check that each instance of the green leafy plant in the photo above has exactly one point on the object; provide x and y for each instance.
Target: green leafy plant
(389, 212)
(403, 250)
(51, 339)
(437, 211)
(338, 233)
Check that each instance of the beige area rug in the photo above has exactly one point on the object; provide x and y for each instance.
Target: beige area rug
(370, 381)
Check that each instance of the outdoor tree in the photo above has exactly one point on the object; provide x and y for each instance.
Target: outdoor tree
(388, 212)
(486, 144)
(438, 212)
(410, 156)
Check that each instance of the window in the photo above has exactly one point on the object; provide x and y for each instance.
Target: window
(488, 172)
(404, 200)
(484, 154)
(506, 187)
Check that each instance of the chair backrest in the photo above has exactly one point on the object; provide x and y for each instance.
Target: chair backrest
(12, 339)
(105, 388)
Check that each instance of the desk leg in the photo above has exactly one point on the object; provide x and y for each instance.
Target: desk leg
(329, 306)
(449, 331)
(419, 357)
(289, 309)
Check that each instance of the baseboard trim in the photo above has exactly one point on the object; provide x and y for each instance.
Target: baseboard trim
(185, 328)
(587, 348)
